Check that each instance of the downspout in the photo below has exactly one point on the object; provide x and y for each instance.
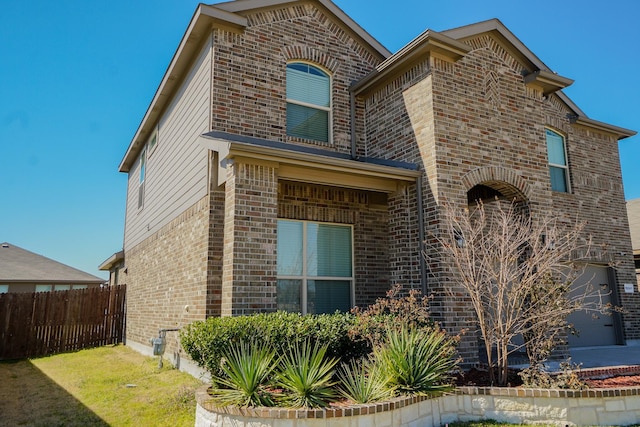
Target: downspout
(352, 106)
(421, 237)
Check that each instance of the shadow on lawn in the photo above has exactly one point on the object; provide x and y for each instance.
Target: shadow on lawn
(28, 397)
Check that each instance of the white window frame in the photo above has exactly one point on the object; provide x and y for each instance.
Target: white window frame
(304, 278)
(328, 109)
(142, 174)
(565, 167)
(152, 143)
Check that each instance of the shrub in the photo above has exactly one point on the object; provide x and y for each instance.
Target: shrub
(416, 361)
(306, 376)
(536, 376)
(362, 381)
(400, 308)
(205, 341)
(246, 370)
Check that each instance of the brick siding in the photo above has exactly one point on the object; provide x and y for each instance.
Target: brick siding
(167, 276)
(475, 122)
(466, 123)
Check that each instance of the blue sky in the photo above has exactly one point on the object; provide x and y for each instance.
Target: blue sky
(76, 78)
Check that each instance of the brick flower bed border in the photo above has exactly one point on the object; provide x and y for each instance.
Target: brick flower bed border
(609, 371)
(620, 406)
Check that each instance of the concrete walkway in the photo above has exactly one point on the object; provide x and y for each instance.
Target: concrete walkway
(615, 355)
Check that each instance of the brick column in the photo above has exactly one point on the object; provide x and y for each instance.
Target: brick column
(404, 254)
(250, 221)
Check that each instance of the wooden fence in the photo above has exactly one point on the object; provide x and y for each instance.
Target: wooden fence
(44, 323)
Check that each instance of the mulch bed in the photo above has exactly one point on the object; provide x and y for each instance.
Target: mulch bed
(480, 378)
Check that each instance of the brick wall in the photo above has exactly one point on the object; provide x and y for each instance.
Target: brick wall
(366, 211)
(249, 261)
(216, 247)
(249, 82)
(474, 122)
(166, 278)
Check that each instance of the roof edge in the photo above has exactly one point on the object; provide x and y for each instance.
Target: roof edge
(496, 25)
(244, 5)
(111, 261)
(620, 132)
(204, 17)
(428, 42)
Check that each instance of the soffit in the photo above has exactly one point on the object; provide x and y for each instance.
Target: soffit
(310, 165)
(111, 261)
(535, 72)
(244, 6)
(204, 19)
(514, 46)
(227, 15)
(428, 43)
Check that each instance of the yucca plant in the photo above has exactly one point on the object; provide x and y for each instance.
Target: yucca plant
(363, 382)
(306, 376)
(417, 360)
(246, 369)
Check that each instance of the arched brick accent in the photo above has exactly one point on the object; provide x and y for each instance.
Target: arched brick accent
(306, 53)
(506, 181)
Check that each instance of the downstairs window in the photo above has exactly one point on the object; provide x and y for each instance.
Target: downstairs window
(315, 267)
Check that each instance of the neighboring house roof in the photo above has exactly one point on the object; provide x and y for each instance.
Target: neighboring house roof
(19, 265)
(633, 212)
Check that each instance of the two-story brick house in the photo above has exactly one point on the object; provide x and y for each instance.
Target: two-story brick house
(289, 161)
(633, 213)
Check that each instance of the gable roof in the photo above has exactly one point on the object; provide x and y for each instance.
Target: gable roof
(451, 44)
(633, 212)
(20, 265)
(229, 15)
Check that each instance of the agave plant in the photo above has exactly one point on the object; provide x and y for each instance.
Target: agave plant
(363, 382)
(417, 360)
(306, 376)
(246, 370)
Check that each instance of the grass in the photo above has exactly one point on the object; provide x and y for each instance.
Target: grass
(492, 423)
(107, 386)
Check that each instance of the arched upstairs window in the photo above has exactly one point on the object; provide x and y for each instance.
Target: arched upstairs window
(558, 165)
(308, 102)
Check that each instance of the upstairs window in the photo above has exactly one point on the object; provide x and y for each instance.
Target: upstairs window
(558, 167)
(153, 141)
(315, 267)
(143, 166)
(308, 102)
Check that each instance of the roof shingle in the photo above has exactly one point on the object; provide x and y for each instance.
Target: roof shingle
(20, 265)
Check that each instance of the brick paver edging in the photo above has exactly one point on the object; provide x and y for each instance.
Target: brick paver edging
(205, 401)
(608, 371)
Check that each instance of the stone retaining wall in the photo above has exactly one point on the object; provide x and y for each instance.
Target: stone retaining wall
(515, 405)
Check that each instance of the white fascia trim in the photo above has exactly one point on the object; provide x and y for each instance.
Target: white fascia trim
(245, 5)
(203, 17)
(227, 150)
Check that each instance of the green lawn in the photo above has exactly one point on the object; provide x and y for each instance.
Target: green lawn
(107, 386)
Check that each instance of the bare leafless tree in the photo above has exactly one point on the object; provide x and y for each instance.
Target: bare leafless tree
(517, 271)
